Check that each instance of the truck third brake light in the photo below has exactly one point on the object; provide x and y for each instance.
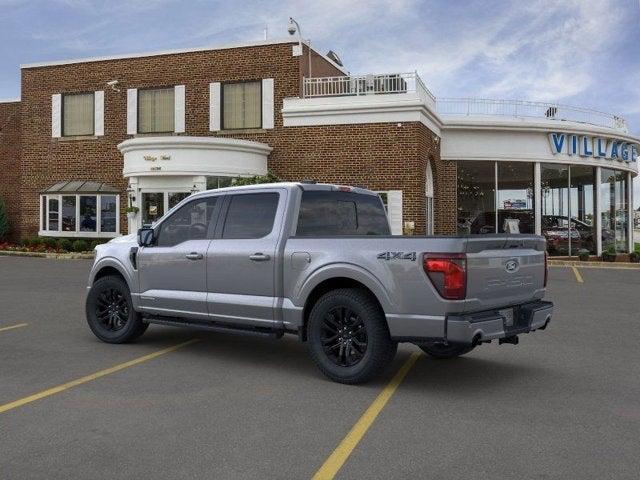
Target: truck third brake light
(448, 273)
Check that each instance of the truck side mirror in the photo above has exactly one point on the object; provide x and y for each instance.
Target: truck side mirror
(146, 237)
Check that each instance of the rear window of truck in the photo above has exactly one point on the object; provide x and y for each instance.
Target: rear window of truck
(325, 213)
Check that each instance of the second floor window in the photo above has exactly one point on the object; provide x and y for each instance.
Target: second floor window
(156, 110)
(242, 105)
(78, 114)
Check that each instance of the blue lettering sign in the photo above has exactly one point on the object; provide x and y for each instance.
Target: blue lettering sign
(586, 147)
(634, 153)
(557, 142)
(601, 147)
(614, 150)
(624, 151)
(573, 146)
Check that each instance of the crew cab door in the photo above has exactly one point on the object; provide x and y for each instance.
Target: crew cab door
(172, 273)
(241, 260)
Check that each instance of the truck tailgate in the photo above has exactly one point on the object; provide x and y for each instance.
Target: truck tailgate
(504, 270)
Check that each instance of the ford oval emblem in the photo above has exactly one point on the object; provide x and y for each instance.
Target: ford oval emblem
(512, 266)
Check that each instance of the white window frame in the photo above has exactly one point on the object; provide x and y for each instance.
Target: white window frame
(44, 221)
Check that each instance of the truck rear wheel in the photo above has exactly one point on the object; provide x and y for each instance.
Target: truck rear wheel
(110, 313)
(444, 351)
(348, 336)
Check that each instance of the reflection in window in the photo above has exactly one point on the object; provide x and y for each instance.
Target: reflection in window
(152, 207)
(555, 207)
(476, 197)
(69, 213)
(581, 205)
(108, 213)
(190, 222)
(615, 218)
(87, 214)
(250, 215)
(515, 197)
(54, 214)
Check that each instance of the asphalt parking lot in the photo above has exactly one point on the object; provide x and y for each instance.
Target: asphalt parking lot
(565, 403)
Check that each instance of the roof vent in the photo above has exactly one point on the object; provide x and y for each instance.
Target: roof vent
(334, 57)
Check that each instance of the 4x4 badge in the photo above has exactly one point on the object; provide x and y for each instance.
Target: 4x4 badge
(397, 256)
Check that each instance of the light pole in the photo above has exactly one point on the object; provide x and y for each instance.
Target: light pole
(292, 29)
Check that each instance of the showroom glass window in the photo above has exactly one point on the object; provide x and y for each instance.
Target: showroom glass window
(615, 217)
(582, 194)
(555, 207)
(476, 197)
(80, 215)
(218, 182)
(515, 200)
(241, 105)
(156, 110)
(78, 114)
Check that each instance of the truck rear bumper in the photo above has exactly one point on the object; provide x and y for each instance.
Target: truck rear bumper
(484, 326)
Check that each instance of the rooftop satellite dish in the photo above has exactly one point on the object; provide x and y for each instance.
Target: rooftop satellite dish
(334, 56)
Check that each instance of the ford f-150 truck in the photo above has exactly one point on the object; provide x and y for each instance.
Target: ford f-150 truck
(317, 261)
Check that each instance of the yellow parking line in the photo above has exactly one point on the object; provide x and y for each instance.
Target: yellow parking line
(334, 463)
(577, 274)
(19, 325)
(94, 376)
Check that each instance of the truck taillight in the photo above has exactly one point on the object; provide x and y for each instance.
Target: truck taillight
(546, 268)
(448, 273)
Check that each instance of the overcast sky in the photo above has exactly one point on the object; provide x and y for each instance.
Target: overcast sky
(581, 52)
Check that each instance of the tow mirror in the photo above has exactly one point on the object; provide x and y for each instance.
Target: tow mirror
(146, 237)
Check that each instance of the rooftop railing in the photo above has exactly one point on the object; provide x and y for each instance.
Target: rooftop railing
(399, 83)
(526, 109)
(356, 85)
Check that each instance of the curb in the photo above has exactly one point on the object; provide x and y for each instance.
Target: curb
(603, 265)
(56, 256)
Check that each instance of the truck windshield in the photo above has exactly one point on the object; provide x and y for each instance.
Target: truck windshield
(328, 213)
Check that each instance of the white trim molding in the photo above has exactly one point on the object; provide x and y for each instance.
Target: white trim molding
(391, 108)
(183, 156)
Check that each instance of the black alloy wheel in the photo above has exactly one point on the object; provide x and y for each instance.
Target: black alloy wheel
(344, 336)
(112, 310)
(110, 313)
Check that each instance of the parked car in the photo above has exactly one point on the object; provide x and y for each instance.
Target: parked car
(486, 222)
(317, 261)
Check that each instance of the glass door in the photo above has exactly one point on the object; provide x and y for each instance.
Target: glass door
(152, 207)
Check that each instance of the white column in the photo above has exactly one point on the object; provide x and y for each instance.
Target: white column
(598, 218)
(537, 197)
(630, 212)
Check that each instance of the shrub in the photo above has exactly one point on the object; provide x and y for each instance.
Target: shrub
(4, 221)
(65, 244)
(50, 242)
(80, 246)
(26, 242)
(268, 178)
(95, 243)
(583, 254)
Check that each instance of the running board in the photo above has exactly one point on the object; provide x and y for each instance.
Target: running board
(215, 327)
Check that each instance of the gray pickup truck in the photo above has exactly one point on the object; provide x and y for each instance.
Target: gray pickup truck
(317, 261)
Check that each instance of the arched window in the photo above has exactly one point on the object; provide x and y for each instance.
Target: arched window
(429, 200)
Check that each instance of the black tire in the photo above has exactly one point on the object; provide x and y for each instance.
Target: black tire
(348, 336)
(443, 351)
(110, 313)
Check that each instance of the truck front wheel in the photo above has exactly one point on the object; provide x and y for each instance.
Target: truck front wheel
(444, 351)
(109, 311)
(348, 336)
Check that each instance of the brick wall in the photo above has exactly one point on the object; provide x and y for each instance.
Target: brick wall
(378, 156)
(9, 160)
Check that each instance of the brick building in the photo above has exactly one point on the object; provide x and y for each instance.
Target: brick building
(90, 137)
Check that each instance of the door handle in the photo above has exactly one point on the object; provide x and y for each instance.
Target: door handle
(259, 257)
(194, 256)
